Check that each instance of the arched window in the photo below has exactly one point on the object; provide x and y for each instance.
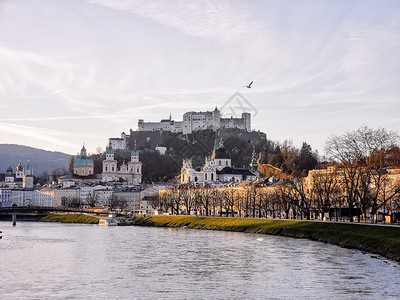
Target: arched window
(205, 176)
(195, 179)
(219, 163)
(212, 176)
(226, 163)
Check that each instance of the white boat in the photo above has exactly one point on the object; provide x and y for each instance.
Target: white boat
(108, 222)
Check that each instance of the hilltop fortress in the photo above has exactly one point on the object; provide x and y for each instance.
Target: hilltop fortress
(194, 121)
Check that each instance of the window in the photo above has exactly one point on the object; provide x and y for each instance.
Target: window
(205, 176)
(219, 163)
(226, 163)
(212, 176)
(106, 168)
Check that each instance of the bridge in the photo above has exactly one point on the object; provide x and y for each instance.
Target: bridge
(36, 212)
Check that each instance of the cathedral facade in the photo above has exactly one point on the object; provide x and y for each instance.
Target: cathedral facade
(131, 172)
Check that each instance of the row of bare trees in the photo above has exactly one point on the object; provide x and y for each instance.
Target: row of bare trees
(297, 199)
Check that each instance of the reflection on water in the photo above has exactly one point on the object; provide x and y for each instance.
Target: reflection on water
(58, 261)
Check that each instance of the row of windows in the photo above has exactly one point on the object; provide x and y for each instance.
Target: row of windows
(113, 169)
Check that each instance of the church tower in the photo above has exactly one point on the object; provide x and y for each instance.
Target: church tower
(110, 171)
(27, 180)
(9, 175)
(135, 167)
(19, 172)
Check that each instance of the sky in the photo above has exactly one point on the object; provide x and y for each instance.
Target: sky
(76, 72)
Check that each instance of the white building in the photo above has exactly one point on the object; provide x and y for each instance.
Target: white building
(194, 121)
(131, 172)
(103, 196)
(118, 143)
(45, 197)
(217, 169)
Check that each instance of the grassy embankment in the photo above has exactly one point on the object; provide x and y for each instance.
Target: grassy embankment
(374, 239)
(70, 218)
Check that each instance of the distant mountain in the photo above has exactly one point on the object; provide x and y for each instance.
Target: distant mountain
(40, 160)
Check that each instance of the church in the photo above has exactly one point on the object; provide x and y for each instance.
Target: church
(83, 164)
(131, 172)
(216, 169)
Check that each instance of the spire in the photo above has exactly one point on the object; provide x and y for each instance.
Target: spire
(221, 143)
(170, 116)
(254, 162)
(83, 150)
(134, 151)
(109, 149)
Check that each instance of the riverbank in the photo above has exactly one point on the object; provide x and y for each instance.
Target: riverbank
(380, 240)
(70, 218)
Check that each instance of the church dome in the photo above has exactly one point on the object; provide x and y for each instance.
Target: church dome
(83, 161)
(221, 153)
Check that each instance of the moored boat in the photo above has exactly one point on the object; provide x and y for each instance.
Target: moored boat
(108, 222)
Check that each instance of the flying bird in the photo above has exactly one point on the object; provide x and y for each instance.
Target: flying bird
(249, 86)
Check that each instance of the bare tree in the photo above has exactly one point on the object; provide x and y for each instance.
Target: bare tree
(351, 151)
(117, 202)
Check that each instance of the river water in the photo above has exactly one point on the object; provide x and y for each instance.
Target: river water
(63, 261)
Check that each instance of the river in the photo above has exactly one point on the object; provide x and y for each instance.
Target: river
(64, 261)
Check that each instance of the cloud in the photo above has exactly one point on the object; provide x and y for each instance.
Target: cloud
(215, 20)
(35, 135)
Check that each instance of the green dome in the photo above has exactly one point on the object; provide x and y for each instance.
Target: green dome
(83, 161)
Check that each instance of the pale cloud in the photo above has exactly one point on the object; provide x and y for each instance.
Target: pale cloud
(215, 20)
(36, 136)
